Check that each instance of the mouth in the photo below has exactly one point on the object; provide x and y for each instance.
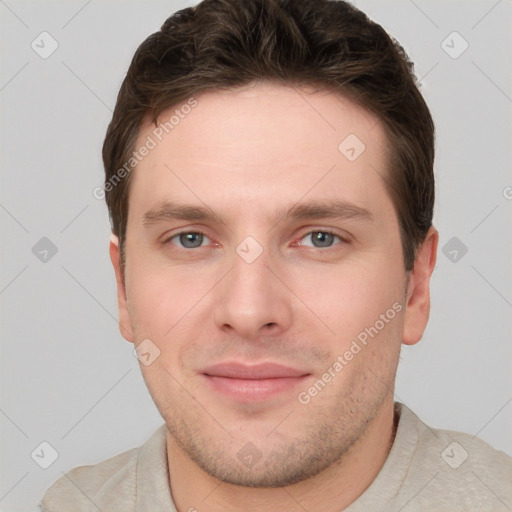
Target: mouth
(252, 383)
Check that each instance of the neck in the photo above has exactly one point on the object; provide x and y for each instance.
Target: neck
(332, 490)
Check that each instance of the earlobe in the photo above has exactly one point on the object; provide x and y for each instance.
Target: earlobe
(122, 302)
(417, 309)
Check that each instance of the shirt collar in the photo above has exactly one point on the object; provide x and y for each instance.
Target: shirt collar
(153, 488)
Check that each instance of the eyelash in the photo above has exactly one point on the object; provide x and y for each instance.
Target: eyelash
(324, 231)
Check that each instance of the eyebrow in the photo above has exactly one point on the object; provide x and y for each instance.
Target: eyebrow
(337, 209)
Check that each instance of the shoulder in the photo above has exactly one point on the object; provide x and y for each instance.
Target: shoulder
(137, 479)
(458, 449)
(84, 487)
(111, 484)
(459, 468)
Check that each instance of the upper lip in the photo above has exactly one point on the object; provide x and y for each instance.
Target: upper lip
(252, 372)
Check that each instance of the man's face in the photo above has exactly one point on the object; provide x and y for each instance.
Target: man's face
(220, 312)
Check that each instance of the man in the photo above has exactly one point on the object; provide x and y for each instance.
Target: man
(269, 177)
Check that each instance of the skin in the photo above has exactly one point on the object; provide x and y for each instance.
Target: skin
(249, 154)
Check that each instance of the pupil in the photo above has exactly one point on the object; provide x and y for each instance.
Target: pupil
(191, 240)
(324, 239)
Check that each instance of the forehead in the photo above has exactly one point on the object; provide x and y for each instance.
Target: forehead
(261, 144)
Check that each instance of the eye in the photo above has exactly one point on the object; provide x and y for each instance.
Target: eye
(321, 238)
(187, 239)
(195, 239)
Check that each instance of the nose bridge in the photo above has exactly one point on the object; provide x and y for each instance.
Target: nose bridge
(251, 297)
(249, 284)
(249, 278)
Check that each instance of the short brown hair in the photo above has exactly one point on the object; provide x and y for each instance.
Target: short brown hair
(220, 44)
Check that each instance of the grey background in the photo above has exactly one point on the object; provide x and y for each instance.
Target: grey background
(69, 378)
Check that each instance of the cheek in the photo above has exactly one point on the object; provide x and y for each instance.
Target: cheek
(161, 299)
(353, 295)
(150, 300)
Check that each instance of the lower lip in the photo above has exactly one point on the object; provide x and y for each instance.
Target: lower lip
(248, 390)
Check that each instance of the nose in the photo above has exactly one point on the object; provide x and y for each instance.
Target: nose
(252, 301)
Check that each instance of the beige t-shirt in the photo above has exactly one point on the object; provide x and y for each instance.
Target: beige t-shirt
(426, 470)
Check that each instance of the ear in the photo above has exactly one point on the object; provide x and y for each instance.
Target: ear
(417, 309)
(122, 305)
